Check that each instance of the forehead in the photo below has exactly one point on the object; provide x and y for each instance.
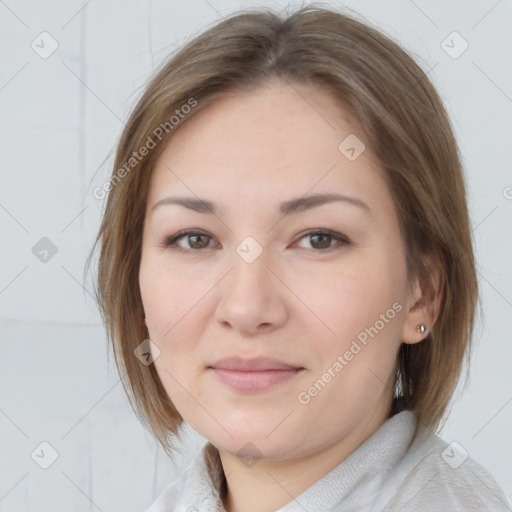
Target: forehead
(266, 140)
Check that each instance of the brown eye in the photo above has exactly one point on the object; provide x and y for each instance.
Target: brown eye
(196, 240)
(322, 240)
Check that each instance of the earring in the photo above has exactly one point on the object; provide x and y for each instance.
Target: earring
(422, 328)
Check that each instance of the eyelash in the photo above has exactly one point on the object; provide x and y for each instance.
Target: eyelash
(171, 242)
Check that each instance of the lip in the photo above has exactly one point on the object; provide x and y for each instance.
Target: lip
(255, 374)
(253, 364)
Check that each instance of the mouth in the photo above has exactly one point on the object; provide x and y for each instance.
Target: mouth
(257, 374)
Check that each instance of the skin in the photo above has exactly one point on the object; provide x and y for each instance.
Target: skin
(248, 153)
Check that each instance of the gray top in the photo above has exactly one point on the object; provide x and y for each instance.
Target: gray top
(380, 475)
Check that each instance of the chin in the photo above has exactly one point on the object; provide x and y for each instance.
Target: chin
(255, 443)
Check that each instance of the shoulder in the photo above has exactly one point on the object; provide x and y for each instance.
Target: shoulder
(192, 491)
(166, 500)
(435, 475)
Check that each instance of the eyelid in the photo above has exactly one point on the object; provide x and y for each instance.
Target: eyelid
(171, 242)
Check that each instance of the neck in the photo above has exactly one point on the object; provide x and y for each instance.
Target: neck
(272, 483)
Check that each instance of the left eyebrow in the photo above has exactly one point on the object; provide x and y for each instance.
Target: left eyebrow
(305, 203)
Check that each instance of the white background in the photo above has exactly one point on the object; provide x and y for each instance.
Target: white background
(62, 115)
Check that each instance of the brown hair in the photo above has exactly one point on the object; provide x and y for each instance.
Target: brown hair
(402, 119)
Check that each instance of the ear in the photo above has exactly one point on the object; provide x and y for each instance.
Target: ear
(423, 303)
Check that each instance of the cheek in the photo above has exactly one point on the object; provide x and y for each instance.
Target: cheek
(359, 358)
(359, 311)
(169, 307)
(168, 298)
(176, 313)
(157, 302)
(350, 299)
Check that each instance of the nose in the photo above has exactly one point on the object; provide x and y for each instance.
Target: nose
(252, 298)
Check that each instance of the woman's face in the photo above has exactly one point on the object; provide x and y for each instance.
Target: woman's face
(278, 321)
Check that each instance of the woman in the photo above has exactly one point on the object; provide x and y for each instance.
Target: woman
(286, 265)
